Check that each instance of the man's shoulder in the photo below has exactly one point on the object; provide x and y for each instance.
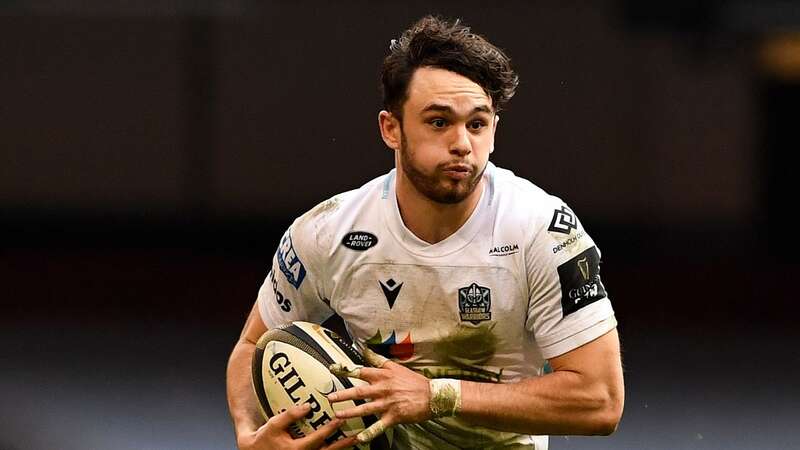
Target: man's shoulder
(521, 197)
(546, 220)
(342, 207)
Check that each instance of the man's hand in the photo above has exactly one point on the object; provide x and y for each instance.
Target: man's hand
(397, 394)
(274, 434)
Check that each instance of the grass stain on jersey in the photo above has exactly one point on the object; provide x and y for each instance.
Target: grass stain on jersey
(468, 349)
(468, 346)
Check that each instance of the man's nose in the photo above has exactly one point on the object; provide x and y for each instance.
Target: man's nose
(460, 145)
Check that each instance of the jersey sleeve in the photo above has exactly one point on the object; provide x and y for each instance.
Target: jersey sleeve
(294, 287)
(568, 304)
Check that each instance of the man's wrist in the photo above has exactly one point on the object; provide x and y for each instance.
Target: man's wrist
(445, 397)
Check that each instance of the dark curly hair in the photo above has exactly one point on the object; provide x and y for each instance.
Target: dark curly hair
(436, 42)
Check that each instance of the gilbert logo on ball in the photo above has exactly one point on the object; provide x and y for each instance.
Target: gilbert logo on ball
(290, 367)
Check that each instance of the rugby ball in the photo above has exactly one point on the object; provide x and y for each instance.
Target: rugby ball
(290, 367)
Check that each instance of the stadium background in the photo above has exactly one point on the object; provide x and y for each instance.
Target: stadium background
(153, 152)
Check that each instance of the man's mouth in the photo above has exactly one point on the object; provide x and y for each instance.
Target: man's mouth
(457, 171)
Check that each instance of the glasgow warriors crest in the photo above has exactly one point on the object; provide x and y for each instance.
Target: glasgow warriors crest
(475, 303)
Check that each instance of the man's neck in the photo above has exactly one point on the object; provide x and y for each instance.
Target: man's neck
(432, 221)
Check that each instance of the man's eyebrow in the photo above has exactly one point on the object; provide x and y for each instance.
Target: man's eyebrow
(448, 109)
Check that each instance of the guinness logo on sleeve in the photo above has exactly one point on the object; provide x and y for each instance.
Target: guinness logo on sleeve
(580, 281)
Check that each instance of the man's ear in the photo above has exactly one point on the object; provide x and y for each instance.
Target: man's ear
(494, 131)
(390, 127)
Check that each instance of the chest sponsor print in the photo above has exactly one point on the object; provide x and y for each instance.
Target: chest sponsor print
(290, 263)
(580, 281)
(475, 303)
(569, 242)
(282, 300)
(504, 250)
(359, 240)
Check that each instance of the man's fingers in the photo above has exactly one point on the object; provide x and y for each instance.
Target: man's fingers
(317, 438)
(293, 414)
(374, 359)
(371, 432)
(340, 370)
(359, 392)
(342, 443)
(362, 373)
(365, 409)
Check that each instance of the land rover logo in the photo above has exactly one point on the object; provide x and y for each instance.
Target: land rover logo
(359, 240)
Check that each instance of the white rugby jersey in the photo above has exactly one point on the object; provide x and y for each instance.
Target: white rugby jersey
(517, 284)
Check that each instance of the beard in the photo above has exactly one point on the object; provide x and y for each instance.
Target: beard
(437, 186)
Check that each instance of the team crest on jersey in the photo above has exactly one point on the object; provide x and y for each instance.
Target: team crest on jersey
(290, 263)
(563, 221)
(475, 303)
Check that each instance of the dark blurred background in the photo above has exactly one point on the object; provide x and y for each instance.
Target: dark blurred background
(153, 152)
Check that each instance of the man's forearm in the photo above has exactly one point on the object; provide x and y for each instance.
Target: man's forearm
(557, 403)
(583, 395)
(241, 398)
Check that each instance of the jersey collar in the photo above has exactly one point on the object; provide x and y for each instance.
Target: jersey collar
(454, 242)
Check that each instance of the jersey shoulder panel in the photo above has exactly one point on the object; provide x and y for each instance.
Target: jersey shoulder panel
(324, 222)
(298, 285)
(521, 201)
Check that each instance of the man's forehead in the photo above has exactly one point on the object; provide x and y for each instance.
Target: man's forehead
(433, 88)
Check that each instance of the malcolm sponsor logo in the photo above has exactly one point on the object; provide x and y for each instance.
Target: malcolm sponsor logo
(569, 242)
(504, 250)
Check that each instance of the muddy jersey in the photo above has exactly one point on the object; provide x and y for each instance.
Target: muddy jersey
(517, 284)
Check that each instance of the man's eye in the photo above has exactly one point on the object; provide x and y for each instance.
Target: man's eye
(477, 125)
(438, 123)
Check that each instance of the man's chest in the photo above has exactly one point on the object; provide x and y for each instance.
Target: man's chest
(422, 301)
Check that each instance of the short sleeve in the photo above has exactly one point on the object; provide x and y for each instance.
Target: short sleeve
(293, 289)
(568, 304)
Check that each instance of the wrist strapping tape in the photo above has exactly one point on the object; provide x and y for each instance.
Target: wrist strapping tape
(445, 397)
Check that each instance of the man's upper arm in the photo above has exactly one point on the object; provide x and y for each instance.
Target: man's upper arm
(599, 362)
(568, 306)
(293, 289)
(254, 328)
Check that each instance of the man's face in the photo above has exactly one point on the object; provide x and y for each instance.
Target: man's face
(447, 134)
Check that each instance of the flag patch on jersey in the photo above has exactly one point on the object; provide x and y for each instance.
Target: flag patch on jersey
(580, 281)
(391, 347)
(475, 303)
